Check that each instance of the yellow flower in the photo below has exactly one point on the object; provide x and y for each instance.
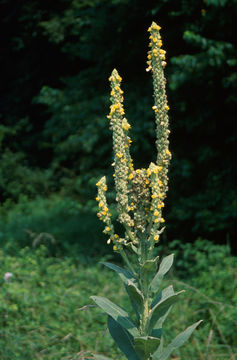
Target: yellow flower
(162, 220)
(167, 107)
(156, 213)
(107, 228)
(118, 77)
(130, 176)
(114, 247)
(100, 204)
(97, 198)
(156, 27)
(156, 237)
(105, 188)
(119, 155)
(125, 124)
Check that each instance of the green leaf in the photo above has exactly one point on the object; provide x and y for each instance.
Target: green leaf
(136, 297)
(117, 313)
(164, 267)
(160, 309)
(124, 274)
(176, 343)
(122, 338)
(135, 249)
(163, 295)
(157, 332)
(146, 346)
(158, 352)
(149, 265)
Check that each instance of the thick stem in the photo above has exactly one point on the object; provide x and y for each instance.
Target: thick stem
(144, 287)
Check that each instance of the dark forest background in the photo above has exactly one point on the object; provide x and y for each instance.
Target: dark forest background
(56, 57)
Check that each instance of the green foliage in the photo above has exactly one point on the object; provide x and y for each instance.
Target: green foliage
(176, 343)
(63, 224)
(41, 306)
(52, 117)
(18, 180)
(40, 316)
(122, 338)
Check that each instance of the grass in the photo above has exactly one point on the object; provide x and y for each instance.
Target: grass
(44, 313)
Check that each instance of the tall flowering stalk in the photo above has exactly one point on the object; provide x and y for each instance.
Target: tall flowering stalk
(140, 195)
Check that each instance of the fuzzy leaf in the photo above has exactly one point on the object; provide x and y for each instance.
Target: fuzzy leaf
(124, 274)
(136, 297)
(135, 249)
(159, 350)
(160, 309)
(164, 267)
(176, 343)
(122, 338)
(164, 294)
(146, 346)
(149, 266)
(117, 313)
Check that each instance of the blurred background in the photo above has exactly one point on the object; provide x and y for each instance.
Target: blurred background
(55, 141)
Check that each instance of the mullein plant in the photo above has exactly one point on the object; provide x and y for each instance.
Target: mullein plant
(140, 196)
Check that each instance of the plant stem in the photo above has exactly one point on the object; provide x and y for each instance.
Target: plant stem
(127, 262)
(144, 287)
